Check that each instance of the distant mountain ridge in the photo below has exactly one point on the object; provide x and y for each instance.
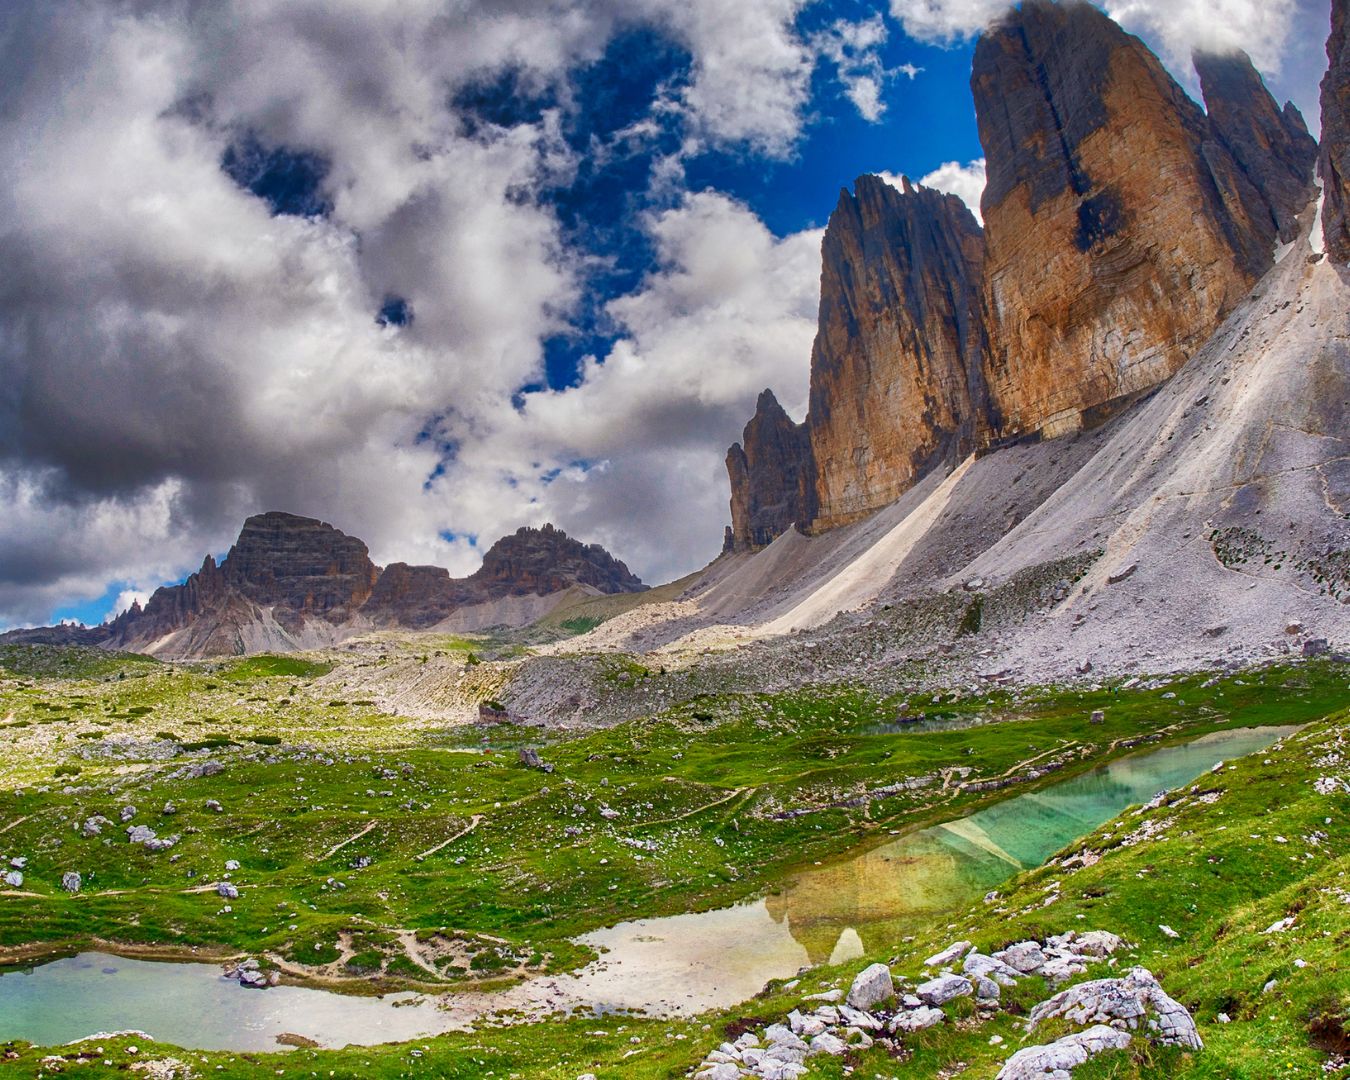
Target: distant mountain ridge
(295, 582)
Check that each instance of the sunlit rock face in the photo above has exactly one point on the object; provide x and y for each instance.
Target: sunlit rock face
(897, 371)
(1123, 223)
(1334, 163)
(1115, 242)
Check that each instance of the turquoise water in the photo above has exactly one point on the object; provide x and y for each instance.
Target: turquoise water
(680, 964)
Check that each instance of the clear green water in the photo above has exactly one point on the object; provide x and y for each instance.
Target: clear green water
(679, 964)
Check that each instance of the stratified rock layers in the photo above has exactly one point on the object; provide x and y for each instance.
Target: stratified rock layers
(297, 567)
(1334, 163)
(897, 371)
(772, 477)
(1112, 252)
(1122, 224)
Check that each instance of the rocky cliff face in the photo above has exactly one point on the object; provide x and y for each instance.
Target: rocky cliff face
(1122, 224)
(1271, 146)
(772, 477)
(897, 379)
(529, 562)
(1334, 164)
(1116, 240)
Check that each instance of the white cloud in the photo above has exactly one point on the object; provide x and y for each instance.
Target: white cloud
(946, 21)
(1175, 27)
(965, 181)
(730, 310)
(854, 50)
(1261, 27)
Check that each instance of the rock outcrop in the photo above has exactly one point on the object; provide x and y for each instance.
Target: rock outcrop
(1334, 164)
(547, 560)
(1270, 145)
(772, 477)
(1120, 230)
(897, 379)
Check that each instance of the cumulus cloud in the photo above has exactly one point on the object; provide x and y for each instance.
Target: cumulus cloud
(853, 48)
(1175, 27)
(729, 310)
(946, 21)
(175, 356)
(964, 181)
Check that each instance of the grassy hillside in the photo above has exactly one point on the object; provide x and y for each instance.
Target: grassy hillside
(1252, 844)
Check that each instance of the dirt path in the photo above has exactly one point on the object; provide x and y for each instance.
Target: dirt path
(1049, 753)
(351, 839)
(696, 810)
(473, 824)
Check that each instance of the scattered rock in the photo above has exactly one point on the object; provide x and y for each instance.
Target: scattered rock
(529, 757)
(1127, 1003)
(917, 1019)
(949, 955)
(1054, 1061)
(1098, 943)
(71, 881)
(228, 891)
(1026, 957)
(872, 986)
(986, 989)
(943, 989)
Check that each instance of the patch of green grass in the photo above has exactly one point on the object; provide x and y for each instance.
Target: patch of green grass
(268, 666)
(582, 624)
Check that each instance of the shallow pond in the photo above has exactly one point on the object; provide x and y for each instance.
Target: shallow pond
(678, 964)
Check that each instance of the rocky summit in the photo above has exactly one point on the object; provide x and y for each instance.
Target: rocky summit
(530, 562)
(772, 477)
(903, 333)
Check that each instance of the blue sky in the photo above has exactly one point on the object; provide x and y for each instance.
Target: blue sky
(430, 277)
